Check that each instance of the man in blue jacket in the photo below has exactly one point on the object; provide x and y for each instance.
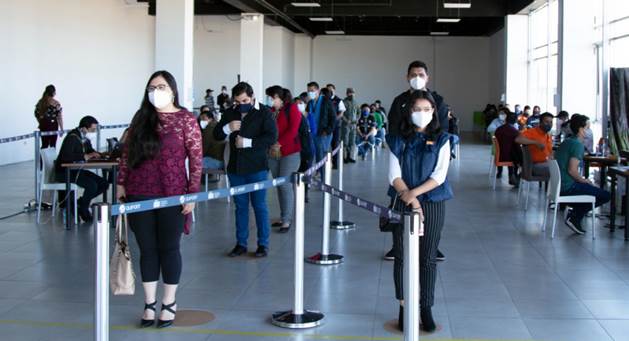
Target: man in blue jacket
(321, 116)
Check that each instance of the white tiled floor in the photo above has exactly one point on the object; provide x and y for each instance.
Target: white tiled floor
(503, 279)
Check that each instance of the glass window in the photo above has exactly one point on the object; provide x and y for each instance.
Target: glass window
(544, 35)
(619, 56)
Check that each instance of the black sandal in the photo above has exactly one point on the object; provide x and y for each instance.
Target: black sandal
(147, 323)
(167, 323)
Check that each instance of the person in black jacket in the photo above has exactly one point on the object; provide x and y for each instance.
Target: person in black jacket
(251, 130)
(76, 147)
(321, 117)
(417, 77)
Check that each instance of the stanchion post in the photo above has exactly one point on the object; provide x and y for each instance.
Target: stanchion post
(413, 229)
(98, 128)
(37, 158)
(101, 214)
(298, 317)
(325, 258)
(341, 224)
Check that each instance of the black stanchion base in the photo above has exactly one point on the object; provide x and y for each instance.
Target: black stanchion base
(286, 319)
(342, 225)
(325, 259)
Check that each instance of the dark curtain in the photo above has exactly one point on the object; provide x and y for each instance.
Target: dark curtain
(619, 107)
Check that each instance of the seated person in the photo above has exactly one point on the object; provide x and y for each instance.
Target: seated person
(562, 127)
(568, 156)
(498, 121)
(380, 119)
(534, 120)
(524, 117)
(510, 151)
(76, 147)
(366, 131)
(213, 150)
(540, 144)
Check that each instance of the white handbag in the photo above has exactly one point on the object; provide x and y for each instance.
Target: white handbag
(121, 276)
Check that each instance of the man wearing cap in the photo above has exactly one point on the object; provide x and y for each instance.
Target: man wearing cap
(348, 126)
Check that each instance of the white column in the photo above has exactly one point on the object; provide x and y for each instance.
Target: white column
(251, 51)
(174, 27)
(516, 66)
(577, 61)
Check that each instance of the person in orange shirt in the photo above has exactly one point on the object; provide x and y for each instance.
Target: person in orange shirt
(540, 144)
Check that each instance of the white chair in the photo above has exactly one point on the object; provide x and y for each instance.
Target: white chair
(553, 195)
(48, 183)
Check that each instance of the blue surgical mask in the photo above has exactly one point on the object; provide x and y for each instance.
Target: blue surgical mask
(312, 94)
(365, 113)
(244, 108)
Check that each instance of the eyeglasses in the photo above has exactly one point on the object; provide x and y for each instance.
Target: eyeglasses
(161, 87)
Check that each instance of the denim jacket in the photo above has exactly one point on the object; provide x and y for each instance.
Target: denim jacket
(418, 158)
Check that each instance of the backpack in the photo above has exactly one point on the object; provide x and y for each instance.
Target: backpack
(303, 135)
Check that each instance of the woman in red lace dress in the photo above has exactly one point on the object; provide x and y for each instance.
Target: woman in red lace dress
(161, 137)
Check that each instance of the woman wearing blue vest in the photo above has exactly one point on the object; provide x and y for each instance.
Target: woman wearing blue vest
(418, 168)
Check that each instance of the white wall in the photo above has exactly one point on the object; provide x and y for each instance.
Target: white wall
(458, 67)
(303, 63)
(279, 57)
(98, 53)
(497, 60)
(216, 55)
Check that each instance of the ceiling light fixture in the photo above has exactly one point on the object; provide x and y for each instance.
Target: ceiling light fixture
(457, 4)
(335, 32)
(439, 33)
(449, 20)
(321, 19)
(305, 4)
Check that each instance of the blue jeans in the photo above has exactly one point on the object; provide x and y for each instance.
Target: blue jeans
(364, 146)
(258, 202)
(579, 210)
(322, 146)
(380, 136)
(212, 163)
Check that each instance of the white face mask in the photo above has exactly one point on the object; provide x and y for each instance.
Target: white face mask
(418, 83)
(421, 118)
(160, 98)
(302, 107)
(90, 136)
(269, 101)
(312, 94)
(204, 124)
(502, 117)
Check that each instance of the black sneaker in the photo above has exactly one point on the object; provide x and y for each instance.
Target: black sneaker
(389, 255)
(261, 251)
(574, 225)
(284, 229)
(352, 161)
(440, 256)
(237, 251)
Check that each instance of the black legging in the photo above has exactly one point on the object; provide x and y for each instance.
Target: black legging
(158, 233)
(434, 214)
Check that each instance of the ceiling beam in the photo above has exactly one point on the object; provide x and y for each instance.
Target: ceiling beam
(404, 8)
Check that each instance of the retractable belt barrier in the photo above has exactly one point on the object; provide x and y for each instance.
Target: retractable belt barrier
(148, 205)
(380, 210)
(16, 138)
(298, 317)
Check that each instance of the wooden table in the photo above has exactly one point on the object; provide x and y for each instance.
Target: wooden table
(614, 172)
(78, 166)
(604, 162)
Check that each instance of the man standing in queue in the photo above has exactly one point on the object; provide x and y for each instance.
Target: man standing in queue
(418, 78)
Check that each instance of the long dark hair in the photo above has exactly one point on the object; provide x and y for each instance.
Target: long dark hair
(143, 140)
(44, 101)
(407, 128)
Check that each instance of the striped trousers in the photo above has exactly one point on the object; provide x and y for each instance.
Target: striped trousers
(434, 215)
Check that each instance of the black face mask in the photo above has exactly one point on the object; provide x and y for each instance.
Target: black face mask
(545, 127)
